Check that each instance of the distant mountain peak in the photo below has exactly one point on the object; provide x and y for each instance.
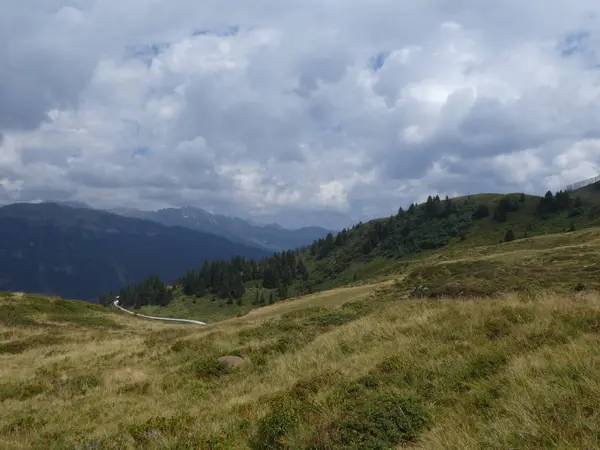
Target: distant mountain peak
(273, 236)
(72, 204)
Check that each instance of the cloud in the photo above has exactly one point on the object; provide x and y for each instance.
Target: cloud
(295, 111)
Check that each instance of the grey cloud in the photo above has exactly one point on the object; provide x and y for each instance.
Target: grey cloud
(43, 64)
(283, 118)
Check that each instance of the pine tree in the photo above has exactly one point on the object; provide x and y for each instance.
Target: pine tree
(302, 271)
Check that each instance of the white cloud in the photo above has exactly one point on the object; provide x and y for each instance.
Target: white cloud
(295, 109)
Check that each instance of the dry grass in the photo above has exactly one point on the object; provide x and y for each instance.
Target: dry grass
(358, 367)
(512, 372)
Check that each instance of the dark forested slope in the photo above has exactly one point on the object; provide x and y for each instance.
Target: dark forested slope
(82, 253)
(365, 248)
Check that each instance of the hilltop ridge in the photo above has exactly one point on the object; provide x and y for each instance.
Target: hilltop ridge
(367, 249)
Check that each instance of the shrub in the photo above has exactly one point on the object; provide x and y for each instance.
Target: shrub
(509, 236)
(381, 420)
(209, 368)
(15, 315)
(481, 212)
(576, 213)
(283, 418)
(464, 290)
(483, 365)
(332, 318)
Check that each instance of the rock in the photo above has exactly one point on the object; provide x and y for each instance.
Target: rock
(418, 292)
(231, 360)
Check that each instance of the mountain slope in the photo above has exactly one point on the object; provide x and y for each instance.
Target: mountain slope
(370, 249)
(271, 237)
(82, 253)
(353, 368)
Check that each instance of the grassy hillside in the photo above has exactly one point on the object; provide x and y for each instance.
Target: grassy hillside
(478, 263)
(356, 367)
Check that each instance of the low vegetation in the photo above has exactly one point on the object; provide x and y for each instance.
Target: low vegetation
(465, 324)
(222, 289)
(503, 353)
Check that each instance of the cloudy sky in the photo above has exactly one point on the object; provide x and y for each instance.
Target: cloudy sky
(297, 111)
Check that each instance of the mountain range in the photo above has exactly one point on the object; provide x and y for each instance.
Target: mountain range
(78, 252)
(272, 237)
(75, 251)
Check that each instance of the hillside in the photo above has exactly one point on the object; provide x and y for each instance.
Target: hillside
(271, 237)
(228, 288)
(82, 253)
(513, 365)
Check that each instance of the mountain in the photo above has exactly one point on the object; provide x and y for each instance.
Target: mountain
(332, 220)
(272, 237)
(377, 247)
(82, 253)
(72, 204)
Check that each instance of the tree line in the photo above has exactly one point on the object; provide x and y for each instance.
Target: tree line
(427, 226)
(151, 291)
(227, 279)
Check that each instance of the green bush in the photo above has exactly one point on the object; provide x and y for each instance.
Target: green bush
(380, 421)
(484, 365)
(209, 368)
(283, 419)
(332, 318)
(15, 315)
(481, 212)
(576, 213)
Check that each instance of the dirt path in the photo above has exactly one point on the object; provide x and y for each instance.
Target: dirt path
(116, 303)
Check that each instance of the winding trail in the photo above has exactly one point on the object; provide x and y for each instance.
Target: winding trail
(116, 303)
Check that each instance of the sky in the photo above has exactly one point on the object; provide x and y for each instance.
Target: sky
(302, 112)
